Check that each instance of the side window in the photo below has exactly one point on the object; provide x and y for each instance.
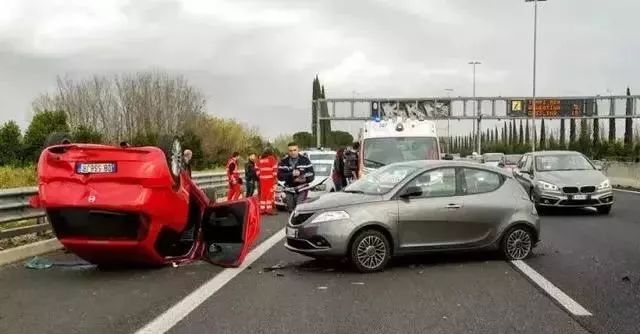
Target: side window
(522, 161)
(527, 165)
(479, 181)
(436, 183)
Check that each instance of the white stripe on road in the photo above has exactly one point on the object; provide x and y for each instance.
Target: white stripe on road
(179, 311)
(555, 293)
(627, 191)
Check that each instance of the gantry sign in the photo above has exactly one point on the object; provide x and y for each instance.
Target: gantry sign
(479, 108)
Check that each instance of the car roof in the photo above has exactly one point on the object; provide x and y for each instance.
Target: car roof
(428, 164)
(543, 153)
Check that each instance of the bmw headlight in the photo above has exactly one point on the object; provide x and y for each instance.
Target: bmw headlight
(546, 186)
(330, 216)
(605, 185)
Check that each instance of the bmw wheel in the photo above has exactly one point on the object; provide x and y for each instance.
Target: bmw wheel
(517, 243)
(370, 251)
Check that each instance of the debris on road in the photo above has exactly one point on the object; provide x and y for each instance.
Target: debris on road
(280, 265)
(37, 262)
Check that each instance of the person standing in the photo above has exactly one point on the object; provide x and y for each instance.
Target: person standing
(250, 176)
(338, 170)
(186, 156)
(350, 171)
(233, 177)
(267, 174)
(295, 170)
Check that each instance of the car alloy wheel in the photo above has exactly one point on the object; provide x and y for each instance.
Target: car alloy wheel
(370, 251)
(518, 244)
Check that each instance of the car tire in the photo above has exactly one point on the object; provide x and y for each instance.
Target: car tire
(172, 149)
(57, 138)
(604, 210)
(370, 251)
(517, 243)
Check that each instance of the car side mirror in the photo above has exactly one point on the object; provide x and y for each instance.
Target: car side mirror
(413, 191)
(501, 164)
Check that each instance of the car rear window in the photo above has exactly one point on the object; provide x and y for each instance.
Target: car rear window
(480, 181)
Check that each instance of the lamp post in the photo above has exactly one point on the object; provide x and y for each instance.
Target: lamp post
(533, 97)
(475, 105)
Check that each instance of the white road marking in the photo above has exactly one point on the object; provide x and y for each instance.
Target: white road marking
(555, 293)
(627, 191)
(180, 310)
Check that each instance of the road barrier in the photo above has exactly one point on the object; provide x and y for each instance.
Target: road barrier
(14, 204)
(623, 174)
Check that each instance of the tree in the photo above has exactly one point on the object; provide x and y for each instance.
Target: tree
(10, 143)
(543, 136)
(521, 135)
(280, 143)
(562, 141)
(572, 134)
(552, 142)
(190, 141)
(628, 122)
(584, 142)
(612, 125)
(304, 139)
(515, 140)
(340, 139)
(596, 132)
(527, 136)
(42, 125)
(510, 133)
(127, 105)
(86, 134)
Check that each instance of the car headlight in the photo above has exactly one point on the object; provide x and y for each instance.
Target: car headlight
(330, 216)
(604, 185)
(546, 186)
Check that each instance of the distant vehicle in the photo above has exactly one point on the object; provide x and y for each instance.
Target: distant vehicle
(322, 161)
(440, 205)
(564, 179)
(115, 205)
(387, 141)
(493, 159)
(511, 161)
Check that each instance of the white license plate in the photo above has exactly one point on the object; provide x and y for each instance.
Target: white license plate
(579, 197)
(292, 233)
(99, 168)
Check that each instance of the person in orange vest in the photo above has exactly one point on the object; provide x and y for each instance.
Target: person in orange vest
(233, 177)
(267, 169)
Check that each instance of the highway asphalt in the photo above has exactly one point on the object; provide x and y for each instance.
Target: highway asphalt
(591, 258)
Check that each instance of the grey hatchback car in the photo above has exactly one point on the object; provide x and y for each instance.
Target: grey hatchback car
(564, 179)
(415, 207)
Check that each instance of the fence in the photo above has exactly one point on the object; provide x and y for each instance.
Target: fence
(14, 205)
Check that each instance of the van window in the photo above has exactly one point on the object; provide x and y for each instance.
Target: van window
(378, 152)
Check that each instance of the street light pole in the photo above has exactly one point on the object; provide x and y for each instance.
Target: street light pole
(533, 98)
(475, 105)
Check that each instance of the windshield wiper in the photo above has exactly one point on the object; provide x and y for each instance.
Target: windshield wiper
(375, 162)
(354, 191)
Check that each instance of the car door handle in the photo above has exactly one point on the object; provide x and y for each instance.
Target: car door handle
(453, 206)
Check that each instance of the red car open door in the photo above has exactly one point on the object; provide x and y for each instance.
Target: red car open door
(229, 229)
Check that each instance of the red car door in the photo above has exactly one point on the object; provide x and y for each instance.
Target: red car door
(229, 230)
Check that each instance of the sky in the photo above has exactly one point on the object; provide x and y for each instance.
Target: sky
(255, 60)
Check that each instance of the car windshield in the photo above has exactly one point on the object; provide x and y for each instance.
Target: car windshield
(322, 169)
(493, 157)
(321, 156)
(381, 180)
(512, 159)
(559, 162)
(379, 152)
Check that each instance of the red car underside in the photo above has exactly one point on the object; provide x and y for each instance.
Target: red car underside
(136, 212)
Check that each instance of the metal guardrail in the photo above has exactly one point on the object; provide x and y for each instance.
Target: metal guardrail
(14, 204)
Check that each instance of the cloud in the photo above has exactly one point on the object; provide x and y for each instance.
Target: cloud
(255, 60)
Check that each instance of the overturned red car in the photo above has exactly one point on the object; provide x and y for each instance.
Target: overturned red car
(122, 205)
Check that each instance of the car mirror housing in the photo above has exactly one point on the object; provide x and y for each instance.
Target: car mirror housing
(413, 191)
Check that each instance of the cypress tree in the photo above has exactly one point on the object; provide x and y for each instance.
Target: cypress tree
(562, 142)
(628, 122)
(521, 135)
(527, 135)
(542, 136)
(572, 134)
